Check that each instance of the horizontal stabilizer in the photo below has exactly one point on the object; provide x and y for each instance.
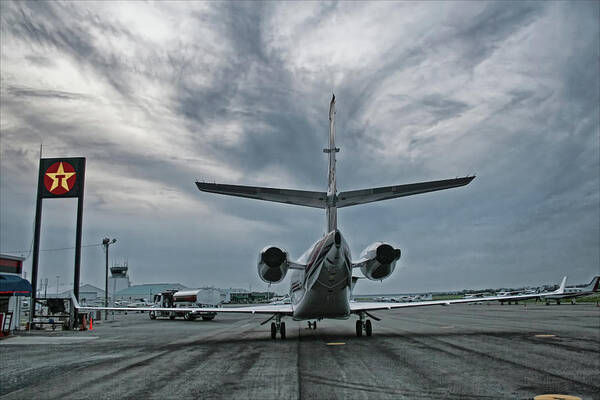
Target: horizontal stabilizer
(363, 196)
(297, 197)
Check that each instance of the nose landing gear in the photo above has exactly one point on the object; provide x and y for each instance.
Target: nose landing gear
(363, 325)
(312, 325)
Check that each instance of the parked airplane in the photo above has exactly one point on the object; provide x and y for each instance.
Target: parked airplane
(478, 295)
(321, 279)
(573, 292)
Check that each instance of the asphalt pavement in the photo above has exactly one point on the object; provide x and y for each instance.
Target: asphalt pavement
(456, 352)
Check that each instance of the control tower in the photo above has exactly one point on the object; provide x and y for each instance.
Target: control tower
(119, 278)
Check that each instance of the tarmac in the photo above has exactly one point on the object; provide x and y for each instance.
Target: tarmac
(483, 351)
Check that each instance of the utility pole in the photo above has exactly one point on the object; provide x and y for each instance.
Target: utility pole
(106, 242)
(45, 287)
(57, 279)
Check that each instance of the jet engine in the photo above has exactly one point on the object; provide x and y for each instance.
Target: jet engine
(272, 264)
(379, 261)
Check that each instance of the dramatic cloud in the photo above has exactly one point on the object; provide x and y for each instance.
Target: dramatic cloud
(157, 95)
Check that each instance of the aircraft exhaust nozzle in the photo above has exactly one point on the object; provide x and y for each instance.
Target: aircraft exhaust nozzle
(337, 239)
(379, 261)
(273, 257)
(386, 254)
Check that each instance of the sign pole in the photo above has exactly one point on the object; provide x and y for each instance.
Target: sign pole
(58, 178)
(78, 232)
(36, 250)
(76, 273)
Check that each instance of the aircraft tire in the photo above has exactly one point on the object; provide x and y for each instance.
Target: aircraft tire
(282, 330)
(208, 318)
(152, 316)
(368, 328)
(273, 330)
(315, 325)
(358, 328)
(171, 317)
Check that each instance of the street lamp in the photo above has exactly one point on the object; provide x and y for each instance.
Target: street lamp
(106, 242)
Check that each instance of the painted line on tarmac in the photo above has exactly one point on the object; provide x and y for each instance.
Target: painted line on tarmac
(556, 397)
(545, 335)
(335, 344)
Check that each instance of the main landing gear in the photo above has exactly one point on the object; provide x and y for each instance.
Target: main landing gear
(278, 326)
(363, 324)
(312, 325)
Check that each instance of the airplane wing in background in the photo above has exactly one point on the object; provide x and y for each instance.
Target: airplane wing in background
(298, 197)
(363, 196)
(372, 306)
(285, 309)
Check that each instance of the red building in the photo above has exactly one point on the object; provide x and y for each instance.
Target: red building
(11, 264)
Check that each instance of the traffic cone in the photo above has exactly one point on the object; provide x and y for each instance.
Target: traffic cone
(91, 320)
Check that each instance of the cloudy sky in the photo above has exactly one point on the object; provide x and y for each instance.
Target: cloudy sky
(158, 95)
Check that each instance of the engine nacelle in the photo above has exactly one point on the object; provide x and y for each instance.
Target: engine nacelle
(380, 261)
(272, 264)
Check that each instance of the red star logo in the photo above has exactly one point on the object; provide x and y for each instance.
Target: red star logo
(60, 178)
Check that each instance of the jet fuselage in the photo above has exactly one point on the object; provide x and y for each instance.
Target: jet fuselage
(323, 288)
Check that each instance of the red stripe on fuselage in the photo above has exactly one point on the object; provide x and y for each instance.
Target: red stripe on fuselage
(315, 253)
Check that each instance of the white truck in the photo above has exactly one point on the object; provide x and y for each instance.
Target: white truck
(189, 298)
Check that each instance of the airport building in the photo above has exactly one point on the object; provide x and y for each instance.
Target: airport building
(238, 297)
(145, 291)
(87, 293)
(232, 295)
(119, 279)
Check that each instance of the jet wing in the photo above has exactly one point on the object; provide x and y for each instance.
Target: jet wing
(288, 196)
(373, 306)
(363, 196)
(285, 309)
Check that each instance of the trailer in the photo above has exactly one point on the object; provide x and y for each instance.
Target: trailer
(193, 298)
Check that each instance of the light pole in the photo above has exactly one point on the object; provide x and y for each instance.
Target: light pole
(57, 279)
(106, 242)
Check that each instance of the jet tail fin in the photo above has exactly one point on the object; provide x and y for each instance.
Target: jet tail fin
(363, 196)
(298, 197)
(563, 284)
(593, 286)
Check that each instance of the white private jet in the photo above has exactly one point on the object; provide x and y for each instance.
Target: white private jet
(574, 292)
(321, 280)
